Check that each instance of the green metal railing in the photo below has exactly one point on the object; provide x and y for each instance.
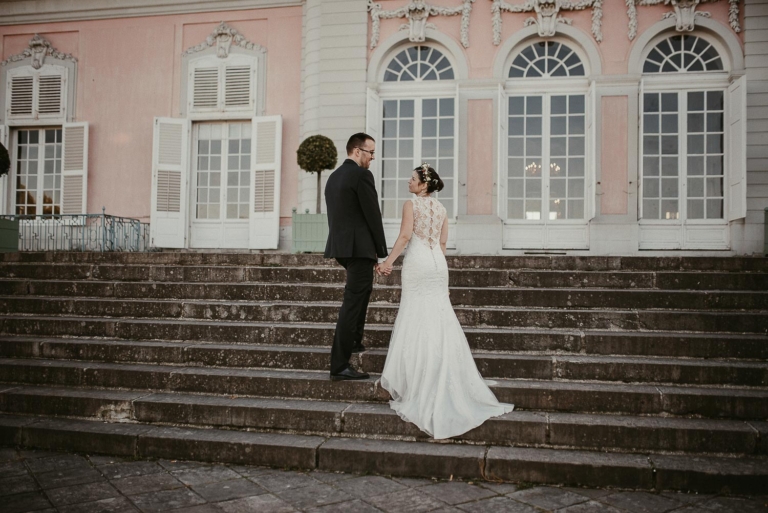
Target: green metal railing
(81, 232)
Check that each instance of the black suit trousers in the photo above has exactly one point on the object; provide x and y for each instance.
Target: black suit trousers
(351, 323)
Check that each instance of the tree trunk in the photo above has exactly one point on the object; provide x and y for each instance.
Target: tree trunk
(319, 183)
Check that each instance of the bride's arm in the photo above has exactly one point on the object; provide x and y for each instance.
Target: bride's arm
(444, 235)
(406, 230)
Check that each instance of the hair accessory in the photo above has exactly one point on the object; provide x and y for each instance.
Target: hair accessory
(425, 172)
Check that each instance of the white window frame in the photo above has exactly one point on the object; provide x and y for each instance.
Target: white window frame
(684, 233)
(545, 233)
(417, 91)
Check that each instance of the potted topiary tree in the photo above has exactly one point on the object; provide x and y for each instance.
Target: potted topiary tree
(9, 228)
(310, 231)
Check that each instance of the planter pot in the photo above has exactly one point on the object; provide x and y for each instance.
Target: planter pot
(9, 235)
(310, 232)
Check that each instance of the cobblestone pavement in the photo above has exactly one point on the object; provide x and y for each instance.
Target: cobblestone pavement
(49, 481)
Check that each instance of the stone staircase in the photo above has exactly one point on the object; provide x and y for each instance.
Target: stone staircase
(635, 372)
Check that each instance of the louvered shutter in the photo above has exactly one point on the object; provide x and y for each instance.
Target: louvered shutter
(74, 174)
(37, 95)
(170, 157)
(4, 178)
(591, 177)
(222, 86)
(373, 114)
(265, 198)
(737, 149)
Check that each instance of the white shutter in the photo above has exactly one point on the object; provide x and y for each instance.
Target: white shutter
(238, 86)
(4, 178)
(35, 95)
(217, 85)
(74, 175)
(205, 88)
(21, 99)
(372, 127)
(266, 153)
(501, 153)
(640, 109)
(170, 156)
(591, 177)
(737, 148)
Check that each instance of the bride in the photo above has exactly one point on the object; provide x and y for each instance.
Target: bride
(429, 371)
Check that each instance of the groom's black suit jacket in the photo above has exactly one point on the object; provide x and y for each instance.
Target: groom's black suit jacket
(354, 219)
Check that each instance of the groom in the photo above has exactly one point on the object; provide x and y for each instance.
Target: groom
(355, 240)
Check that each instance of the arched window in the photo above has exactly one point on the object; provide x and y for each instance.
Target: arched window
(692, 144)
(417, 127)
(546, 139)
(546, 59)
(419, 63)
(683, 133)
(681, 54)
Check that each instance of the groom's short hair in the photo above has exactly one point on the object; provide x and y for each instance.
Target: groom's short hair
(357, 141)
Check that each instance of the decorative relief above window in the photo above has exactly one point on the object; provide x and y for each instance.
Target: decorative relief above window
(680, 54)
(419, 63)
(223, 38)
(418, 12)
(548, 15)
(39, 49)
(546, 59)
(684, 12)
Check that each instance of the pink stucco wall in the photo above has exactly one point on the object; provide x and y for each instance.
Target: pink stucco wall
(481, 161)
(129, 72)
(613, 159)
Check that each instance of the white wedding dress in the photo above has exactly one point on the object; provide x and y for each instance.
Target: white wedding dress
(429, 371)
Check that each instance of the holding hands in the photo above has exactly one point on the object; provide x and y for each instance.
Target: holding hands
(384, 268)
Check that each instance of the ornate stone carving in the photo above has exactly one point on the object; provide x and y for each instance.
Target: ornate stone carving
(418, 12)
(548, 15)
(39, 48)
(223, 38)
(684, 12)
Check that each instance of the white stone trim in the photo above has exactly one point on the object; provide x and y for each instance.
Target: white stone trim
(35, 11)
(583, 46)
(684, 13)
(417, 12)
(724, 40)
(397, 41)
(548, 19)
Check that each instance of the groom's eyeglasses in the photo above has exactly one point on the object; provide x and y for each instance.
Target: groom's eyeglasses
(367, 151)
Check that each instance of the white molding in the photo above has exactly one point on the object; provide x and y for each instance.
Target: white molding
(725, 41)
(41, 11)
(683, 12)
(223, 37)
(548, 20)
(394, 43)
(584, 47)
(39, 48)
(417, 12)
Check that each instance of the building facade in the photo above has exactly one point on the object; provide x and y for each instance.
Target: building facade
(595, 127)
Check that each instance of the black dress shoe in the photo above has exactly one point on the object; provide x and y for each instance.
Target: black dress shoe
(359, 348)
(349, 373)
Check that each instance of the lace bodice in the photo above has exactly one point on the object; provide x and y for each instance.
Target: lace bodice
(428, 217)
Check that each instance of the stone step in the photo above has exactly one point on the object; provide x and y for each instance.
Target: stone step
(490, 364)
(489, 296)
(378, 313)
(287, 333)
(400, 458)
(518, 428)
(564, 396)
(558, 262)
(672, 280)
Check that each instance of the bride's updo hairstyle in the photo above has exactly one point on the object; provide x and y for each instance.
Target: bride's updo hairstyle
(428, 175)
